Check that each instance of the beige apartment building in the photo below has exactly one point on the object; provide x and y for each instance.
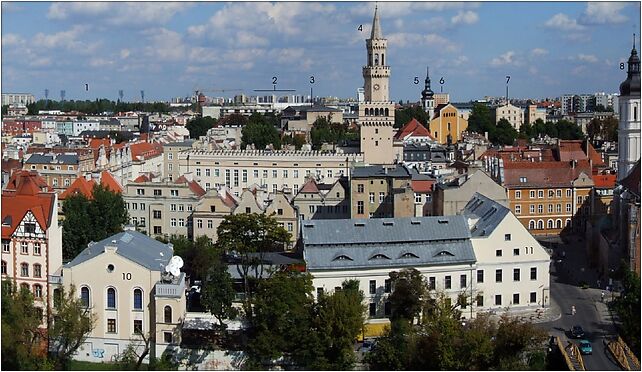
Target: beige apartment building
(322, 201)
(271, 170)
(217, 204)
(513, 114)
(58, 170)
(533, 113)
(162, 207)
(381, 191)
(121, 281)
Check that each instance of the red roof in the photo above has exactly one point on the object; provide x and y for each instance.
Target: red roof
(422, 186)
(604, 181)
(145, 150)
(193, 186)
(26, 197)
(79, 186)
(310, 186)
(10, 165)
(143, 178)
(20, 175)
(109, 182)
(95, 143)
(413, 129)
(543, 174)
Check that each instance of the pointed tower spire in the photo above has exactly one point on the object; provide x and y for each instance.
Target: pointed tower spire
(376, 26)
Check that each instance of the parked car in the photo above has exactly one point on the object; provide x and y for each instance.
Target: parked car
(585, 347)
(577, 332)
(367, 346)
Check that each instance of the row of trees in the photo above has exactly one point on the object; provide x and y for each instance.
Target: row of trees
(627, 307)
(92, 219)
(563, 129)
(95, 107)
(324, 131)
(427, 333)
(602, 129)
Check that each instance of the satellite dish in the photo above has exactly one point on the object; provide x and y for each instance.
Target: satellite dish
(174, 266)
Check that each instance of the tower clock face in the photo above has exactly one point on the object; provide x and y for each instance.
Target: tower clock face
(376, 87)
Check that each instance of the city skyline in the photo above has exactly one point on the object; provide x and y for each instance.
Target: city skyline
(170, 49)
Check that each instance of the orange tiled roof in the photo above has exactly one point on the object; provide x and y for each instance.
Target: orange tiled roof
(79, 186)
(604, 181)
(145, 150)
(544, 173)
(422, 186)
(193, 186)
(310, 186)
(110, 183)
(28, 196)
(413, 128)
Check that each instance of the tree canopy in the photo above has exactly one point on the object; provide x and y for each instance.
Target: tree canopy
(199, 126)
(323, 131)
(602, 129)
(97, 106)
(197, 255)
(261, 131)
(405, 114)
(91, 219)
(627, 306)
(563, 129)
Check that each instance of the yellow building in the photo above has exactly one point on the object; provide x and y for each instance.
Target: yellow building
(447, 122)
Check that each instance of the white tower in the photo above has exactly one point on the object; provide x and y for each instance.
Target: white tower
(377, 113)
(629, 128)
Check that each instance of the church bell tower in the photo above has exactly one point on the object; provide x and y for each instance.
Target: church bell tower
(377, 113)
(629, 126)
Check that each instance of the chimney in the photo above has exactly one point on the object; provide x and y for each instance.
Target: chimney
(189, 176)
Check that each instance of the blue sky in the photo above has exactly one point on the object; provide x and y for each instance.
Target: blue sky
(169, 49)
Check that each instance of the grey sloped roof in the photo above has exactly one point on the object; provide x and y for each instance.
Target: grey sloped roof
(384, 230)
(414, 254)
(49, 159)
(378, 171)
(132, 245)
(186, 143)
(483, 214)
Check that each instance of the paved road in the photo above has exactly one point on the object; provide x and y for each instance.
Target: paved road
(591, 313)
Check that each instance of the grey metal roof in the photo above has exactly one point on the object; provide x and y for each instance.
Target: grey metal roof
(389, 255)
(132, 245)
(49, 159)
(384, 230)
(485, 213)
(378, 171)
(186, 143)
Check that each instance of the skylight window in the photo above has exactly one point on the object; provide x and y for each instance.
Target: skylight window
(409, 255)
(342, 257)
(379, 256)
(444, 253)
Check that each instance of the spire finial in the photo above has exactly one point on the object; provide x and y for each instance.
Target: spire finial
(634, 40)
(376, 27)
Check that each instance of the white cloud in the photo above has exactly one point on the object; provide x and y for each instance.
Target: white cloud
(246, 38)
(100, 62)
(507, 58)
(11, 40)
(579, 70)
(587, 58)
(118, 13)
(460, 60)
(398, 8)
(165, 44)
(533, 70)
(603, 13)
(65, 39)
(539, 52)
(561, 21)
(124, 53)
(40, 62)
(465, 17)
(404, 39)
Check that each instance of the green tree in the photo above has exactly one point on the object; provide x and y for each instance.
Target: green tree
(197, 255)
(199, 126)
(504, 133)
(281, 318)
(297, 140)
(5, 110)
(567, 130)
(261, 131)
(69, 327)
(250, 235)
(481, 120)
(217, 293)
(407, 298)
(91, 220)
(627, 306)
(392, 352)
(405, 114)
(22, 338)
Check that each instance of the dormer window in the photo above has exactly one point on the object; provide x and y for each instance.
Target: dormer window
(409, 255)
(342, 257)
(444, 253)
(523, 179)
(379, 256)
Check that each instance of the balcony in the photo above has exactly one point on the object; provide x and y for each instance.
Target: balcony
(54, 279)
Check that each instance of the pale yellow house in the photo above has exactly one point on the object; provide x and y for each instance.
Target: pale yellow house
(447, 122)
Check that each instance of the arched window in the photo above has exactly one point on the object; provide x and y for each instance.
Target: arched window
(531, 225)
(568, 222)
(376, 112)
(111, 298)
(540, 225)
(138, 299)
(559, 224)
(168, 314)
(387, 112)
(84, 296)
(37, 291)
(376, 61)
(4, 267)
(549, 224)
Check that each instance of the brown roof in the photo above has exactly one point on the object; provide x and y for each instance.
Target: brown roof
(544, 174)
(632, 181)
(80, 186)
(27, 196)
(310, 186)
(193, 186)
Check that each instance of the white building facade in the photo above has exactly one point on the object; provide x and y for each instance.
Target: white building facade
(629, 127)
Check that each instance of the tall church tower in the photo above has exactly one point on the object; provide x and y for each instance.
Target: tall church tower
(428, 97)
(377, 113)
(629, 127)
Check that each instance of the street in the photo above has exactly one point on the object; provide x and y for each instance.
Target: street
(591, 313)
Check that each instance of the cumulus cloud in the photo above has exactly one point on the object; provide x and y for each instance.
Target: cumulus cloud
(465, 17)
(539, 52)
(562, 22)
(603, 13)
(404, 39)
(507, 58)
(165, 44)
(587, 58)
(11, 40)
(124, 53)
(117, 13)
(69, 40)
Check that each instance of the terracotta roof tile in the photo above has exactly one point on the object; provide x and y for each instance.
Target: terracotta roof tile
(79, 186)
(543, 174)
(604, 181)
(413, 128)
(310, 186)
(27, 196)
(108, 180)
(145, 150)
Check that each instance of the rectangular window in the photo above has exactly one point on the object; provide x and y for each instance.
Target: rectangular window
(142, 206)
(172, 222)
(140, 191)
(559, 208)
(360, 209)
(372, 197)
(447, 282)
(551, 193)
(507, 237)
(173, 192)
(37, 271)
(157, 214)
(135, 206)
(372, 309)
(256, 173)
(360, 187)
(198, 172)
(181, 222)
(142, 222)
(275, 173)
(158, 192)
(532, 208)
(172, 207)
(290, 226)
(417, 198)
(167, 337)
(515, 298)
(158, 230)
(498, 275)
(568, 208)
(295, 173)
(432, 283)
(138, 326)
(207, 172)
(540, 194)
(540, 208)
(462, 281)
(387, 286)
(515, 251)
(480, 300)
(533, 298)
(480, 276)
(181, 207)
(373, 286)
(498, 253)
(265, 173)
(518, 209)
(5, 246)
(550, 208)
(24, 248)
(559, 194)
(236, 178)
(285, 173)
(516, 275)
(382, 196)
(111, 325)
(518, 194)
(498, 300)
(532, 194)
(533, 273)
(568, 193)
